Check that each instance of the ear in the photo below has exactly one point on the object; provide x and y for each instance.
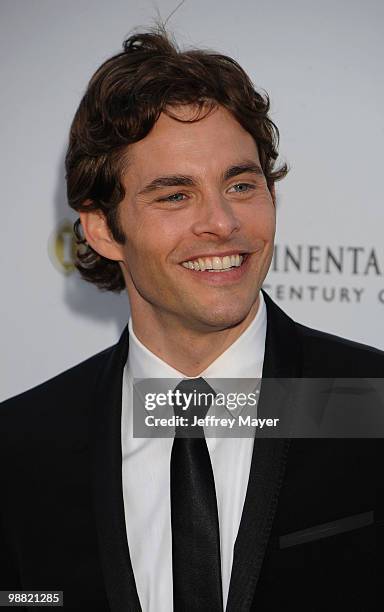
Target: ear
(98, 235)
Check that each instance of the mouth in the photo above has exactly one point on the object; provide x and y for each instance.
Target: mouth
(218, 270)
(216, 263)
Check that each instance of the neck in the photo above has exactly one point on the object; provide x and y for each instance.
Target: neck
(188, 350)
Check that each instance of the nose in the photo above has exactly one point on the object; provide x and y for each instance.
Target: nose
(216, 217)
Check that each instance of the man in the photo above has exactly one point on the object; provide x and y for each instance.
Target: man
(171, 167)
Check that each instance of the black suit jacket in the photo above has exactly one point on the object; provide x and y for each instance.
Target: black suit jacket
(308, 533)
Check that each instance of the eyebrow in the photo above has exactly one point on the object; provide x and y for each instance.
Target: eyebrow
(180, 180)
(247, 166)
(175, 180)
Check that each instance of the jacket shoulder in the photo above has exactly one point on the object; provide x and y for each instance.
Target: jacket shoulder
(73, 386)
(337, 356)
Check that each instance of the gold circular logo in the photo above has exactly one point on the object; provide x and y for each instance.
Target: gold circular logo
(62, 247)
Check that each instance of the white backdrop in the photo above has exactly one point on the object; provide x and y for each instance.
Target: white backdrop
(321, 63)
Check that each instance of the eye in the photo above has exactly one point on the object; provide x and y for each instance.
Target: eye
(243, 187)
(174, 197)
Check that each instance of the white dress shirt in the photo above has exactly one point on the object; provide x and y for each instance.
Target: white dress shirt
(146, 468)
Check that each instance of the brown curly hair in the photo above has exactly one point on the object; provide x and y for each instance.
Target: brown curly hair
(123, 100)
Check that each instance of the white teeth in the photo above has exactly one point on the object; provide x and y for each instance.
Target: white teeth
(226, 262)
(214, 264)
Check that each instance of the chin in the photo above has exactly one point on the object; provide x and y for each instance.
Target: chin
(224, 317)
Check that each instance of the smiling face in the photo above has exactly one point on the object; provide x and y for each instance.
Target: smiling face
(196, 199)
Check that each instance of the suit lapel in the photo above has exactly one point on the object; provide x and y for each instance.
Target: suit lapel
(282, 360)
(106, 474)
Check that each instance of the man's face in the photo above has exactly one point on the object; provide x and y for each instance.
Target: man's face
(195, 198)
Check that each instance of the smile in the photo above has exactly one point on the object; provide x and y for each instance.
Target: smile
(214, 263)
